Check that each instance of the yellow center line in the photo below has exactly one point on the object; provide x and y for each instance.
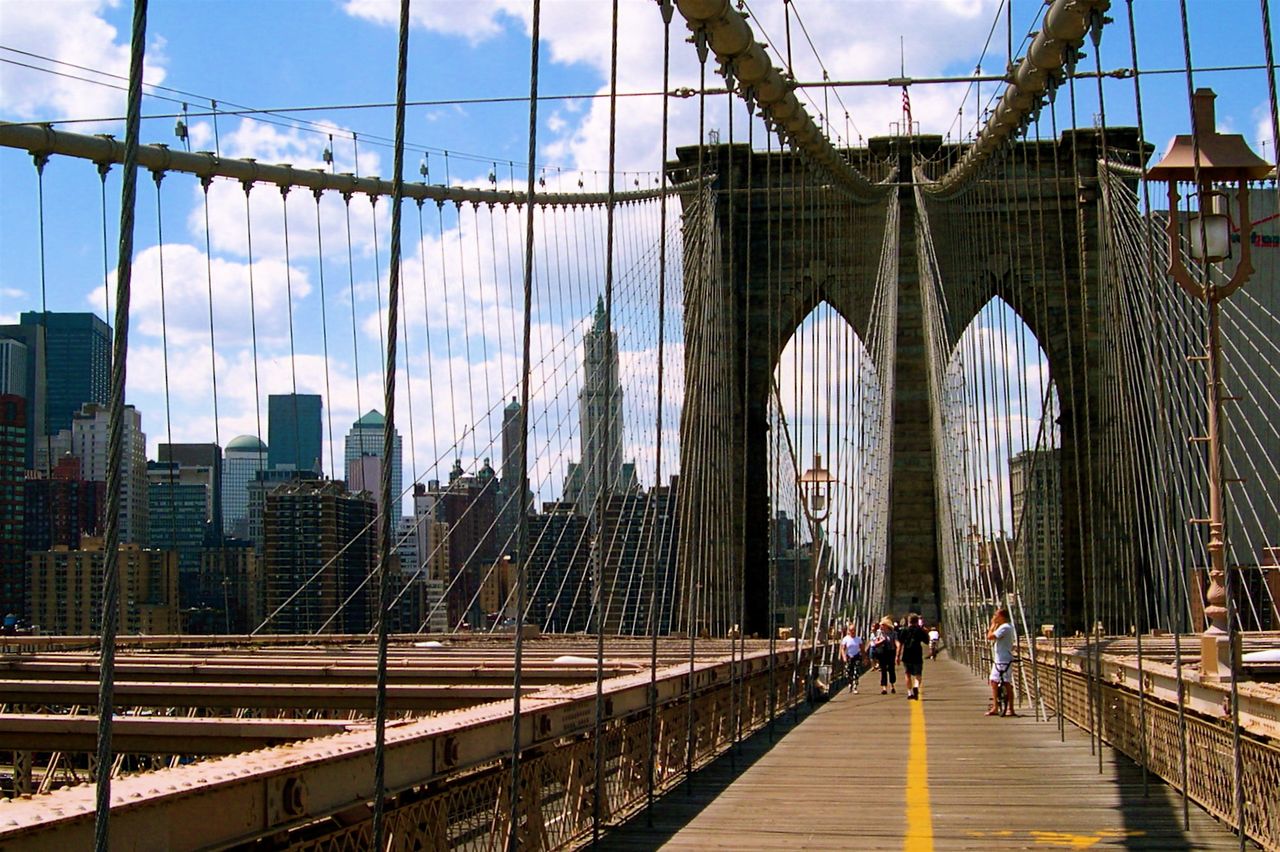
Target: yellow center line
(919, 836)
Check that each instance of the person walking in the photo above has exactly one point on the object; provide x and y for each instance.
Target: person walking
(934, 638)
(1001, 636)
(886, 653)
(851, 653)
(911, 642)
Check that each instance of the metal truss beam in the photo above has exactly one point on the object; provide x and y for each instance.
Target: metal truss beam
(159, 734)
(230, 800)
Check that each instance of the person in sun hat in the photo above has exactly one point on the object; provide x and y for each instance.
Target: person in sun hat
(885, 650)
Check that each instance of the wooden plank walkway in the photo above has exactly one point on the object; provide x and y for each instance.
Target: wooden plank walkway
(837, 779)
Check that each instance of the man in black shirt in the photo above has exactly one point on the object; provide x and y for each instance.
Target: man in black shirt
(912, 640)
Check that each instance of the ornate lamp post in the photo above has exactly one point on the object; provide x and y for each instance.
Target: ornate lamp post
(1207, 159)
(815, 486)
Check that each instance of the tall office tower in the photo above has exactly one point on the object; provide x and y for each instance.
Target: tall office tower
(63, 507)
(509, 504)
(637, 574)
(433, 555)
(13, 367)
(246, 456)
(295, 434)
(405, 545)
(66, 589)
(202, 462)
(178, 520)
(23, 346)
(365, 474)
(600, 418)
(365, 439)
(468, 506)
(13, 450)
(319, 552)
(1036, 492)
(77, 361)
(559, 575)
(88, 442)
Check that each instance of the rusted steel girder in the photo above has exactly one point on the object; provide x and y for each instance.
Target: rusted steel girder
(401, 697)
(159, 734)
(231, 800)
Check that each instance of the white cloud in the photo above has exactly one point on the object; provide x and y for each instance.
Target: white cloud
(71, 31)
(184, 313)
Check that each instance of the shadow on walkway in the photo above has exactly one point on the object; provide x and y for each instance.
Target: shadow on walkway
(676, 808)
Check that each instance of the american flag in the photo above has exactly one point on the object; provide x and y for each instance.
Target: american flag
(906, 109)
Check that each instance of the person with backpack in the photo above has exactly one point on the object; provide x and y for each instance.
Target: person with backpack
(885, 651)
(911, 642)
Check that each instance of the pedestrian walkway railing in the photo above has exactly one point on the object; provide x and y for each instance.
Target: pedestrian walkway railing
(584, 764)
(1179, 728)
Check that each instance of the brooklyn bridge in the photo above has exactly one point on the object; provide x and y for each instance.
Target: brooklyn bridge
(631, 452)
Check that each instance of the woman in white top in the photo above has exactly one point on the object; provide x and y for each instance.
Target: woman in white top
(1001, 635)
(851, 653)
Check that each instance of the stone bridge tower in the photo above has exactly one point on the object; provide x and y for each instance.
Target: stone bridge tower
(792, 243)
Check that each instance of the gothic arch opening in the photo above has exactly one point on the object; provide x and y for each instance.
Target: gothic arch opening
(828, 411)
(1000, 445)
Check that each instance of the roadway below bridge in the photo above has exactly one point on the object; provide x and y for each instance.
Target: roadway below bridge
(869, 772)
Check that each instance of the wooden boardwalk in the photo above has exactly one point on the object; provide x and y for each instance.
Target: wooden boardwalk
(838, 779)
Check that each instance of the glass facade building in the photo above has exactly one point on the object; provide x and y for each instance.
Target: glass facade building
(294, 432)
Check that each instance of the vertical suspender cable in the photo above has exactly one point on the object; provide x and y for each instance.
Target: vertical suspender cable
(1150, 277)
(606, 479)
(1271, 79)
(386, 527)
(704, 198)
(522, 552)
(667, 9)
(115, 434)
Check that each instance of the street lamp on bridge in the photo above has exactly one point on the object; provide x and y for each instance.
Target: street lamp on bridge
(1209, 159)
(815, 486)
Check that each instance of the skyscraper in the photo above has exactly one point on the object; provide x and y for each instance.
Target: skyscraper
(318, 556)
(63, 507)
(600, 417)
(638, 568)
(509, 505)
(88, 442)
(246, 455)
(178, 519)
(201, 462)
(77, 363)
(295, 434)
(22, 374)
(13, 367)
(468, 506)
(13, 447)
(559, 569)
(365, 439)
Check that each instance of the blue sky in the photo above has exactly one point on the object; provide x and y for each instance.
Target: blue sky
(293, 53)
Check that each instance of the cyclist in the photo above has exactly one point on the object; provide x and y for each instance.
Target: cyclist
(1000, 634)
(934, 637)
